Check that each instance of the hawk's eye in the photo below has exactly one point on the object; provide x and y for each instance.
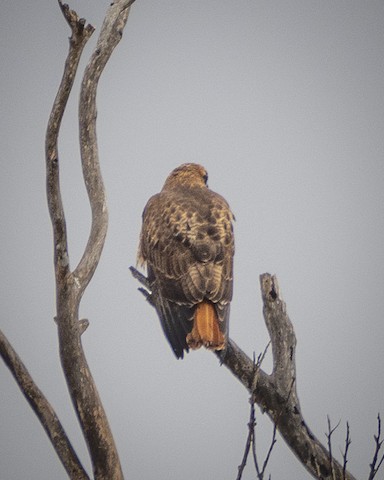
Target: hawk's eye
(205, 177)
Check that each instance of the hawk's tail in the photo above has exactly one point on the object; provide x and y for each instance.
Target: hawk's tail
(206, 329)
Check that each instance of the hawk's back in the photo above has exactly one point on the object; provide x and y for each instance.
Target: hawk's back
(187, 244)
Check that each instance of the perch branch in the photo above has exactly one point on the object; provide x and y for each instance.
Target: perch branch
(43, 411)
(276, 393)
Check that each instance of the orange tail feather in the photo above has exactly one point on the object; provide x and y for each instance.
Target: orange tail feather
(206, 329)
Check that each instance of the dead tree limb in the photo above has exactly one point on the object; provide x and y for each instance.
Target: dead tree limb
(110, 35)
(80, 35)
(70, 285)
(276, 393)
(43, 411)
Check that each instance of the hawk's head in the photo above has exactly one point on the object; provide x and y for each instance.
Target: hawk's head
(189, 175)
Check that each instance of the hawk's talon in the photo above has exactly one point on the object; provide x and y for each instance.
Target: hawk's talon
(140, 277)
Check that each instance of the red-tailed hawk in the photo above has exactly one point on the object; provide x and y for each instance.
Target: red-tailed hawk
(187, 245)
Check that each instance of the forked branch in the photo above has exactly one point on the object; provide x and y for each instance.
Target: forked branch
(276, 393)
(70, 286)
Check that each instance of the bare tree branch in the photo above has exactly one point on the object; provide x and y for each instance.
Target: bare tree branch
(110, 35)
(70, 286)
(80, 35)
(43, 411)
(276, 394)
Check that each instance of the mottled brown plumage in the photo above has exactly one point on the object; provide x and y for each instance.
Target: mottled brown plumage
(187, 244)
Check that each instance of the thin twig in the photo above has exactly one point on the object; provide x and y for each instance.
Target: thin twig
(376, 462)
(254, 453)
(261, 357)
(348, 442)
(273, 441)
(251, 438)
(329, 440)
(261, 472)
(251, 432)
(43, 410)
(252, 421)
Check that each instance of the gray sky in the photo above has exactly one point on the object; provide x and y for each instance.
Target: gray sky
(283, 103)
